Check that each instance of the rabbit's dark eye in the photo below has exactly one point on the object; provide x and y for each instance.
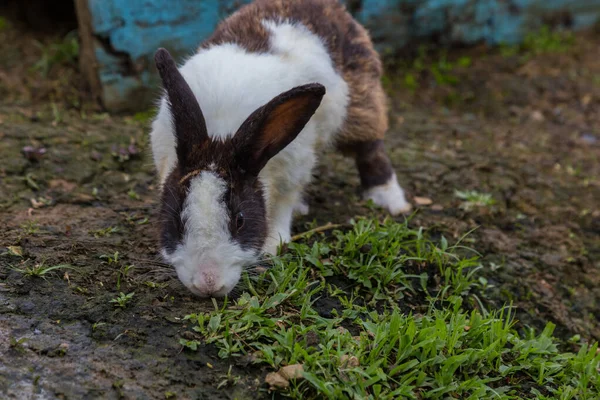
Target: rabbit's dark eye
(239, 221)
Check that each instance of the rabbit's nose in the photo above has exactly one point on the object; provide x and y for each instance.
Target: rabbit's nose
(209, 278)
(208, 282)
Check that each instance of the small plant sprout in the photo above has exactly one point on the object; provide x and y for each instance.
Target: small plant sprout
(17, 344)
(65, 51)
(56, 114)
(122, 299)
(111, 259)
(133, 195)
(229, 379)
(30, 227)
(96, 325)
(40, 270)
(190, 344)
(135, 219)
(14, 251)
(122, 274)
(31, 181)
(473, 199)
(155, 285)
(106, 232)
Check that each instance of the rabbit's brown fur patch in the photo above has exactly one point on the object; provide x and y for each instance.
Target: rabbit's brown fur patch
(349, 46)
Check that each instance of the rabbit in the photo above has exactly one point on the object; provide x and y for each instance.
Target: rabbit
(240, 125)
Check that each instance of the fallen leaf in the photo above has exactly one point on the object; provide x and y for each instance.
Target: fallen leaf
(281, 379)
(259, 269)
(545, 288)
(62, 184)
(15, 250)
(347, 361)
(586, 100)
(537, 116)
(422, 201)
(342, 330)
(437, 207)
(276, 381)
(36, 203)
(293, 371)
(82, 198)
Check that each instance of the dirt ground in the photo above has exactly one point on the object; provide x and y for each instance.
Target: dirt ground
(525, 129)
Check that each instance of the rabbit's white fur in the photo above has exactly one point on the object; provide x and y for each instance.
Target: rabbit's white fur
(389, 195)
(229, 84)
(221, 259)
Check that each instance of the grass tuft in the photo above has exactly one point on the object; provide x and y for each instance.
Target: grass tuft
(543, 41)
(61, 52)
(473, 199)
(122, 299)
(40, 270)
(407, 322)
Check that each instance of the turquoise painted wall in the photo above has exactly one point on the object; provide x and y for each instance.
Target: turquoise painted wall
(127, 32)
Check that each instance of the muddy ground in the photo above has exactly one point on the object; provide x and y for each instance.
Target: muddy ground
(522, 127)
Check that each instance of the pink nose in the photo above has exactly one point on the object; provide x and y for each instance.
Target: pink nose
(207, 283)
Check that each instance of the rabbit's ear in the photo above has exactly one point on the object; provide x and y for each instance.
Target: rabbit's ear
(188, 121)
(269, 129)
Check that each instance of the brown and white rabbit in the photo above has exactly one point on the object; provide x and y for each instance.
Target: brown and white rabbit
(240, 126)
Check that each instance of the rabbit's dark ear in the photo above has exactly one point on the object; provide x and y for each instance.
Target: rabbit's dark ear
(188, 121)
(269, 129)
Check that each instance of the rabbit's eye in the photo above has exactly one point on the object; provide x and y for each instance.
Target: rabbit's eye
(239, 220)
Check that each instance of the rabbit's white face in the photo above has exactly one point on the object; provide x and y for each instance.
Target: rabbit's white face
(209, 250)
(213, 214)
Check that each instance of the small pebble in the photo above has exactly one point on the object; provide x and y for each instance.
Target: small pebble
(589, 138)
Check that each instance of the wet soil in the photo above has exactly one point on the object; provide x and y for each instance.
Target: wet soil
(524, 129)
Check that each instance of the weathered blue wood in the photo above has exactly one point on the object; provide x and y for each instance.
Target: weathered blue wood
(469, 21)
(127, 32)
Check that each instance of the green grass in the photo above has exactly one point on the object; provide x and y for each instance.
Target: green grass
(60, 52)
(144, 117)
(473, 199)
(105, 232)
(133, 195)
(408, 322)
(433, 66)
(542, 41)
(110, 258)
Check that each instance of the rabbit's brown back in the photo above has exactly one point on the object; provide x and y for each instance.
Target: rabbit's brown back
(349, 46)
